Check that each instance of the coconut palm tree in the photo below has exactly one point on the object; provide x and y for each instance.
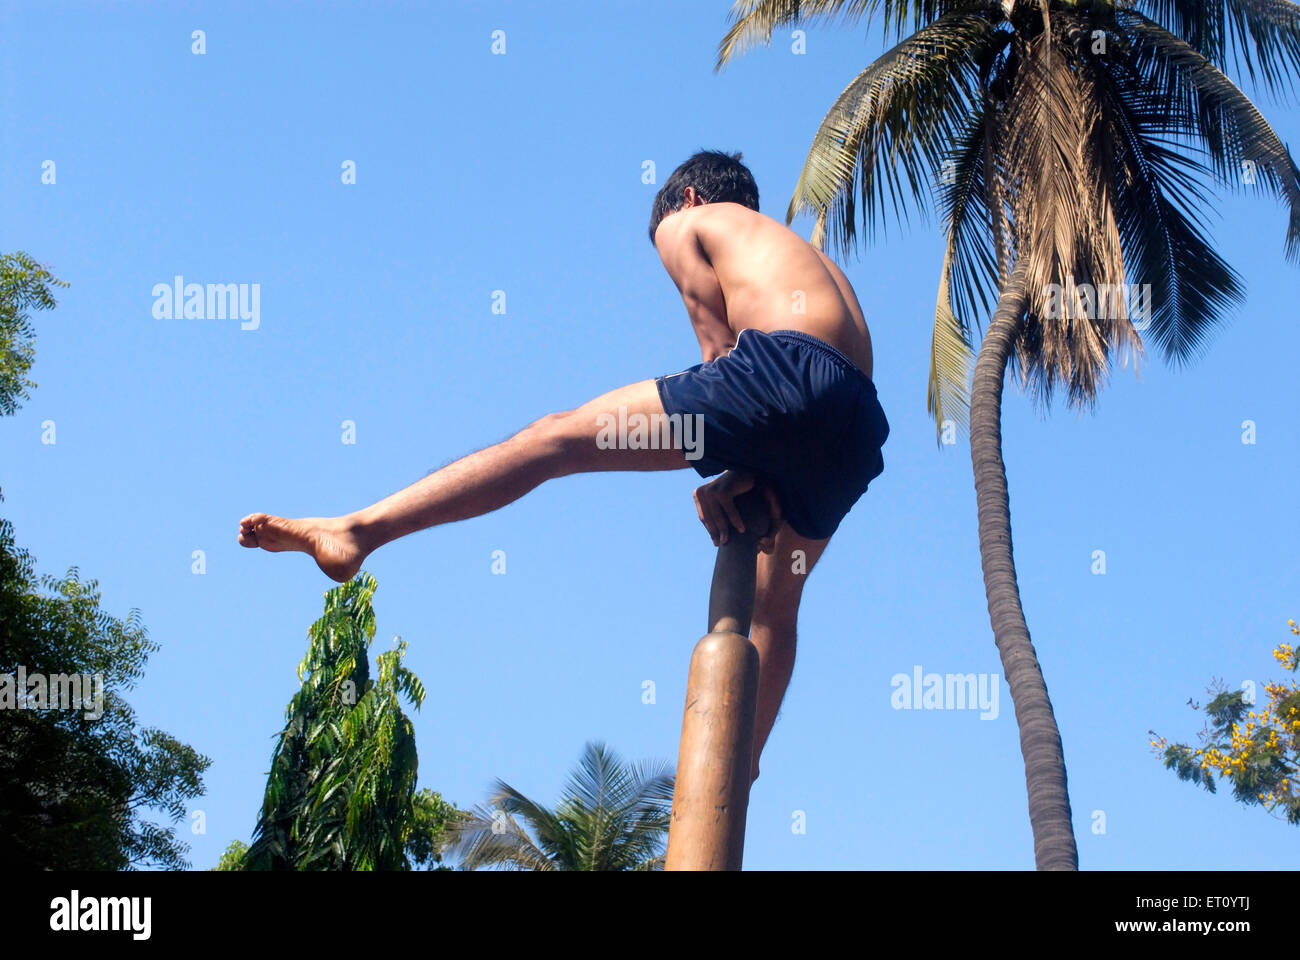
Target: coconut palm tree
(612, 816)
(1073, 144)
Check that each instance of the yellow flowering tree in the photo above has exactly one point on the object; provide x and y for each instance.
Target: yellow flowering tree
(1257, 751)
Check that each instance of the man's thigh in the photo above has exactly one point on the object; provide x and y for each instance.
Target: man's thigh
(782, 575)
(624, 429)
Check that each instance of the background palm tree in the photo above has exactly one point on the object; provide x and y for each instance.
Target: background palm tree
(612, 816)
(1072, 143)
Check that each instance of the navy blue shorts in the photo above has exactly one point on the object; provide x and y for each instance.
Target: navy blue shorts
(795, 412)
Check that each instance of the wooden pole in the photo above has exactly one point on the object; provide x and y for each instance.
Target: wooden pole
(714, 759)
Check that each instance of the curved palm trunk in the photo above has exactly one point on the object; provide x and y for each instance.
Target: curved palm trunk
(1040, 741)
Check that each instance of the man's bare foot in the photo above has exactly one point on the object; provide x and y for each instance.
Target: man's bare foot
(331, 541)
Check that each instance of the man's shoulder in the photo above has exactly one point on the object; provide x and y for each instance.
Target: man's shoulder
(728, 210)
(726, 223)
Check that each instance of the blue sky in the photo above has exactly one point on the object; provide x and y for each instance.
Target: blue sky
(522, 173)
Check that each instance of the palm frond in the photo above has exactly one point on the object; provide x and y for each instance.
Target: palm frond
(611, 816)
(1214, 111)
(948, 395)
(1063, 210)
(753, 22)
(1158, 196)
(961, 196)
(491, 837)
(890, 127)
(1263, 36)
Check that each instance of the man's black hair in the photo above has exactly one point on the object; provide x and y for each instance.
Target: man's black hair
(717, 178)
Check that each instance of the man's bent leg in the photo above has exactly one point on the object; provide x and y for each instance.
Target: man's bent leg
(554, 446)
(779, 588)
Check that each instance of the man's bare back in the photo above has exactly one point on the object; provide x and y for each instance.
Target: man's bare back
(738, 269)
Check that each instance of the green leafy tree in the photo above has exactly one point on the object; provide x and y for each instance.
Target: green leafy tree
(425, 840)
(1256, 751)
(430, 831)
(611, 816)
(25, 285)
(77, 786)
(1072, 145)
(233, 858)
(75, 789)
(341, 791)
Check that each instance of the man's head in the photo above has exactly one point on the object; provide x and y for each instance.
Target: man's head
(712, 177)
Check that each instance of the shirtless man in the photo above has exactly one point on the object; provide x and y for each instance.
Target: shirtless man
(785, 395)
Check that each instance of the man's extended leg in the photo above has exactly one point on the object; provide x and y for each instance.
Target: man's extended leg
(554, 446)
(781, 578)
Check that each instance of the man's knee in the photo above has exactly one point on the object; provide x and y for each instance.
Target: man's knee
(548, 424)
(555, 437)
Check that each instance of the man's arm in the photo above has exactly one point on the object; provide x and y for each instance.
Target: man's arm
(686, 262)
